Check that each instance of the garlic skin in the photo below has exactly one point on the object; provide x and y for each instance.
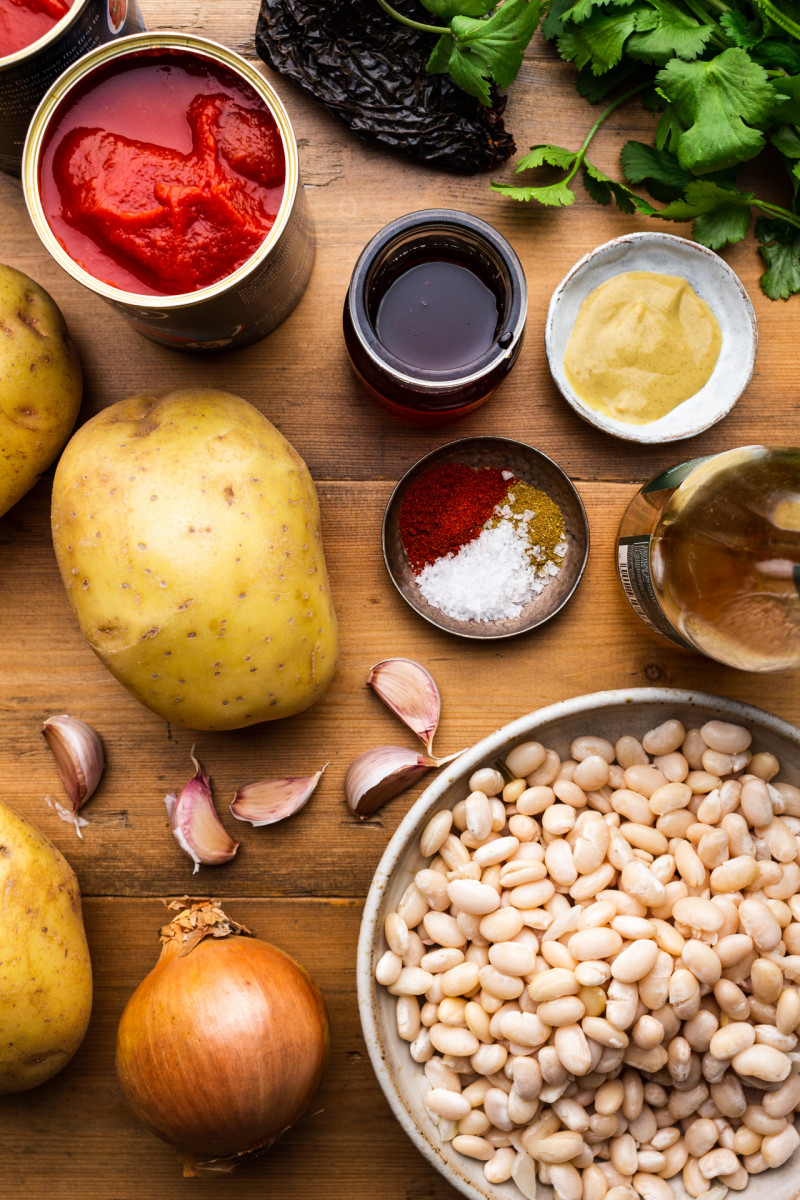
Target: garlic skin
(272, 800)
(411, 693)
(378, 775)
(195, 824)
(80, 759)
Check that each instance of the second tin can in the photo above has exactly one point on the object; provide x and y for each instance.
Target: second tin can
(26, 75)
(253, 298)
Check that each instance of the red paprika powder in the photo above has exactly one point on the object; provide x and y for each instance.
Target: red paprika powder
(446, 507)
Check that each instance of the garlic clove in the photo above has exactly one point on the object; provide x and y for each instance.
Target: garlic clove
(195, 824)
(378, 775)
(79, 756)
(273, 800)
(410, 692)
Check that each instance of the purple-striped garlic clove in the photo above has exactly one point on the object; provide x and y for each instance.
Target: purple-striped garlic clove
(409, 690)
(79, 756)
(195, 824)
(378, 775)
(272, 800)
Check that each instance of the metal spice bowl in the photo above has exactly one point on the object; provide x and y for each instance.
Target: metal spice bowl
(532, 467)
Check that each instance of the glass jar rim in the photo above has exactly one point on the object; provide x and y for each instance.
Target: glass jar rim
(455, 225)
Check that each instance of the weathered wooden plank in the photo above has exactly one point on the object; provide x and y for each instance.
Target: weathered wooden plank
(75, 1137)
(596, 643)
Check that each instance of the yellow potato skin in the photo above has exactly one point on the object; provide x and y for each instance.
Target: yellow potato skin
(40, 384)
(45, 972)
(187, 534)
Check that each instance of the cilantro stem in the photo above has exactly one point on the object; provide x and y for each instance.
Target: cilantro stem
(779, 18)
(412, 24)
(705, 18)
(774, 210)
(581, 155)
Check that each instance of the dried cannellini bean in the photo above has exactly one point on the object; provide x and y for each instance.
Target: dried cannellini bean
(633, 908)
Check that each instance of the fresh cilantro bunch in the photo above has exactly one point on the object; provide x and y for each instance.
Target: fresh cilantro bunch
(483, 42)
(724, 75)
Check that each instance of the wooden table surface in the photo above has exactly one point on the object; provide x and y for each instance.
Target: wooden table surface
(302, 884)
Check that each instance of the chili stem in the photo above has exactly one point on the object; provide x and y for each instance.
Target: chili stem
(410, 22)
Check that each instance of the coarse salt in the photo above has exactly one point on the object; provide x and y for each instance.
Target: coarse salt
(491, 578)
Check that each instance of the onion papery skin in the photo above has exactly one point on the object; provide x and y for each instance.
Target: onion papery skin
(221, 1049)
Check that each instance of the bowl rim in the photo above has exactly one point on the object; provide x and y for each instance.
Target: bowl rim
(472, 758)
(417, 468)
(648, 434)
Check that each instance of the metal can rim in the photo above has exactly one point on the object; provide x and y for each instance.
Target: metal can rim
(122, 47)
(53, 34)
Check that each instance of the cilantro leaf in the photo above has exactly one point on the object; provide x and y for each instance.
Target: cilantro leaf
(581, 10)
(554, 18)
(721, 215)
(673, 32)
(780, 249)
(477, 52)
(599, 40)
(742, 32)
(553, 156)
(778, 55)
(553, 194)
(596, 87)
(787, 95)
(603, 189)
(498, 43)
(600, 186)
(786, 140)
(657, 169)
(446, 9)
(719, 103)
(668, 133)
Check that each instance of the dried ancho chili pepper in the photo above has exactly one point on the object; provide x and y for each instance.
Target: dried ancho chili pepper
(370, 72)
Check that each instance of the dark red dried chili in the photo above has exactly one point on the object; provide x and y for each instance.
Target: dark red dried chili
(369, 71)
(446, 507)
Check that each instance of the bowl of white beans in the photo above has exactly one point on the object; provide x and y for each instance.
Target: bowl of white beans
(579, 959)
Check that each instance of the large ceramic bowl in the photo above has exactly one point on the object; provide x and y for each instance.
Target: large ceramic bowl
(609, 714)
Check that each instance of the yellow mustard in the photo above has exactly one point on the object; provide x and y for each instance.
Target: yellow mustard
(642, 343)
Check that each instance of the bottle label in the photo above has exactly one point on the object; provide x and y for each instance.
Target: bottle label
(674, 475)
(633, 562)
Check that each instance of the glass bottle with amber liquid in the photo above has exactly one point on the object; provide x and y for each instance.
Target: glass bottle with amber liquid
(708, 554)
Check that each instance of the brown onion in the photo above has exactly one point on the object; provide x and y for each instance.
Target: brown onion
(222, 1046)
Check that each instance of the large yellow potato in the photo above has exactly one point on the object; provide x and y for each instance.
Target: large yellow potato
(187, 533)
(45, 972)
(40, 384)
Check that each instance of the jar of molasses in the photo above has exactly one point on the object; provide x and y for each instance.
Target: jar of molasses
(434, 317)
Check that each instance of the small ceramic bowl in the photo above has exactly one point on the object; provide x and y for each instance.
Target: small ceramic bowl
(532, 467)
(608, 714)
(714, 282)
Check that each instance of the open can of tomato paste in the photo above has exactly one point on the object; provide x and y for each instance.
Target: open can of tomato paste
(161, 172)
(38, 40)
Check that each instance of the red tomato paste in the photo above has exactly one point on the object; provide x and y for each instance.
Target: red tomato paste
(23, 22)
(162, 174)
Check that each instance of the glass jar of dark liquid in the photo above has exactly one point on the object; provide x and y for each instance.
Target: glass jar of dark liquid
(434, 317)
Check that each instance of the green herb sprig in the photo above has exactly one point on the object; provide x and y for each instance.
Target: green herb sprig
(724, 75)
(483, 44)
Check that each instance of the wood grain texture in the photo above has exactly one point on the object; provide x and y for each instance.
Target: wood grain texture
(302, 884)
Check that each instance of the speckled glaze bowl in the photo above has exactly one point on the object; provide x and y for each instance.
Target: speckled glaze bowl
(609, 714)
(714, 282)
